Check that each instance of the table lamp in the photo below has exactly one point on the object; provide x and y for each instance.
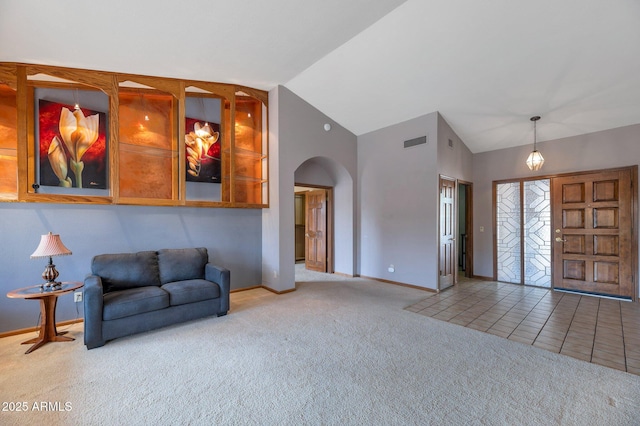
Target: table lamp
(50, 245)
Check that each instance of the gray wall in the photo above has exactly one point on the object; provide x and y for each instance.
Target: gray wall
(399, 197)
(618, 147)
(296, 134)
(457, 161)
(232, 237)
(397, 203)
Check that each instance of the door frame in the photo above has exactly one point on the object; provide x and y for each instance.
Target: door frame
(468, 224)
(329, 238)
(634, 218)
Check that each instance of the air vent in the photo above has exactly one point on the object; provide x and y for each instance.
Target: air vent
(416, 141)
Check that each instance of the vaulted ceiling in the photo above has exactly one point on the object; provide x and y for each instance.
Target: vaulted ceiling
(486, 66)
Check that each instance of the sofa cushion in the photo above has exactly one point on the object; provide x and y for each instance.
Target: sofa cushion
(127, 270)
(188, 291)
(125, 303)
(182, 264)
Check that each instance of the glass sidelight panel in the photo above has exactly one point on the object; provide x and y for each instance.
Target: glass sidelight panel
(523, 232)
(508, 228)
(537, 232)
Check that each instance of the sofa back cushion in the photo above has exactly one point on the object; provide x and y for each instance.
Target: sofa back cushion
(126, 270)
(182, 264)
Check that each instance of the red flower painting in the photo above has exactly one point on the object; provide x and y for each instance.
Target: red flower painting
(72, 146)
(202, 140)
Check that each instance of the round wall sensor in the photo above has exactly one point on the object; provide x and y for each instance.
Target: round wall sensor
(327, 127)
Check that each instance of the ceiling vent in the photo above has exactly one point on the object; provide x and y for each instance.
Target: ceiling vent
(416, 141)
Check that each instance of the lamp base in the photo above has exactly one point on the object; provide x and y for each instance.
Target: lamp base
(50, 274)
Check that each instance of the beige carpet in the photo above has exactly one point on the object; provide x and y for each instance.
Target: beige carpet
(335, 352)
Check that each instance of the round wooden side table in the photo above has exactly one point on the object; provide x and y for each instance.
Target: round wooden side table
(48, 300)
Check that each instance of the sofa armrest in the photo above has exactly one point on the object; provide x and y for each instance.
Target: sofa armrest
(93, 305)
(222, 277)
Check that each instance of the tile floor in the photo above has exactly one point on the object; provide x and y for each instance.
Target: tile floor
(597, 330)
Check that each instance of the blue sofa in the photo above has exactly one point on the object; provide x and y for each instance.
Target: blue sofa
(130, 293)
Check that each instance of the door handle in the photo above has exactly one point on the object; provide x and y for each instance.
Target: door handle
(560, 240)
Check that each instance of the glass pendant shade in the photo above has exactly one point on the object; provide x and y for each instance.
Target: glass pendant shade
(535, 160)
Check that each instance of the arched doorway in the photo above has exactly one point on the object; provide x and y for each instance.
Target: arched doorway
(329, 187)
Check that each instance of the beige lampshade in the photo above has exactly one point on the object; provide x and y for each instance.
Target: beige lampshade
(50, 245)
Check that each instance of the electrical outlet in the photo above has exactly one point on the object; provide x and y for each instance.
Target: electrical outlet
(391, 268)
(77, 296)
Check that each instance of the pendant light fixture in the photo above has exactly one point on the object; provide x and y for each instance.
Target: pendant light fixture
(535, 159)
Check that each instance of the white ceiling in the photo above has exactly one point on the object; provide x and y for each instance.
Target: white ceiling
(487, 66)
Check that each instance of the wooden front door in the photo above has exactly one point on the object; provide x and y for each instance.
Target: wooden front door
(447, 257)
(592, 233)
(316, 230)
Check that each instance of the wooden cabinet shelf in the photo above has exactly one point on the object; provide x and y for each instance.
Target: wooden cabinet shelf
(147, 140)
(250, 179)
(240, 152)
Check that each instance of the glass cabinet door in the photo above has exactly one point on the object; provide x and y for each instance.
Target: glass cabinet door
(8, 143)
(147, 146)
(249, 168)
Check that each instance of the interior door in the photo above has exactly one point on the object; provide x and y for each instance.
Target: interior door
(592, 222)
(447, 257)
(316, 230)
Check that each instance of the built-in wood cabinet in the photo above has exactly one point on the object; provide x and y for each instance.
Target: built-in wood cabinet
(80, 136)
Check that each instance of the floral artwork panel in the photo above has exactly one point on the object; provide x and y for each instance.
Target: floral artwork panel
(203, 152)
(72, 146)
